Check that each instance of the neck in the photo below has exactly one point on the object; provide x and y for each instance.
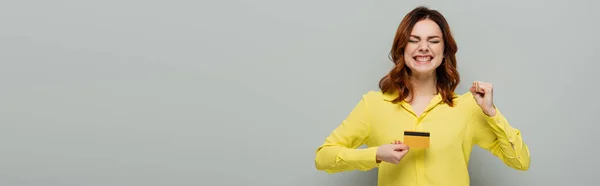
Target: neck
(424, 85)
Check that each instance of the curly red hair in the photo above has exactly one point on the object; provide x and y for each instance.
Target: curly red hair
(398, 79)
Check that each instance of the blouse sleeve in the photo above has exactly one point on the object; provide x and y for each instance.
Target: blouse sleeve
(338, 153)
(496, 135)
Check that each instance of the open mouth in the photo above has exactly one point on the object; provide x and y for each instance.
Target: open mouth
(423, 59)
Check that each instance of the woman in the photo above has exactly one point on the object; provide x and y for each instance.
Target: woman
(418, 95)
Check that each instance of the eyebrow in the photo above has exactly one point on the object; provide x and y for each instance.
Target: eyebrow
(430, 37)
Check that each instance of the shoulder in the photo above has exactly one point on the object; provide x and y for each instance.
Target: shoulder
(467, 102)
(375, 97)
(467, 96)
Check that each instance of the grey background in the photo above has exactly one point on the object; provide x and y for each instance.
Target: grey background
(133, 92)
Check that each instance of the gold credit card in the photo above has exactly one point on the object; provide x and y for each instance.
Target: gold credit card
(415, 139)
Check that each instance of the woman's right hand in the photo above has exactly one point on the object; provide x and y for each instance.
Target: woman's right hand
(392, 153)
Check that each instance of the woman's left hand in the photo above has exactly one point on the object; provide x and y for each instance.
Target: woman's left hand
(483, 94)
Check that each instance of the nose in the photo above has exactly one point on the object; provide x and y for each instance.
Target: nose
(423, 47)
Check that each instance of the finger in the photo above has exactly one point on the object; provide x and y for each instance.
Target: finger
(487, 88)
(399, 155)
(401, 147)
(480, 87)
(486, 84)
(403, 153)
(476, 95)
(482, 92)
(472, 89)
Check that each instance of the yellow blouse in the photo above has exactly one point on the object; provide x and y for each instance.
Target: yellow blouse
(454, 130)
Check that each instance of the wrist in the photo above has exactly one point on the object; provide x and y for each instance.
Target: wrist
(377, 158)
(490, 112)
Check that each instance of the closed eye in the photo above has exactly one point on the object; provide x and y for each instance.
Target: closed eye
(432, 39)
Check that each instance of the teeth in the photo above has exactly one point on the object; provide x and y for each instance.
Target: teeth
(423, 59)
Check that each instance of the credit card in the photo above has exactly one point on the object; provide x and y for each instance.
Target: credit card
(416, 139)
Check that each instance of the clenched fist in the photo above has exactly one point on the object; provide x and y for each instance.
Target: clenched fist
(483, 93)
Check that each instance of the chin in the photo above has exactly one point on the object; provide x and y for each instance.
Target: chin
(423, 71)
